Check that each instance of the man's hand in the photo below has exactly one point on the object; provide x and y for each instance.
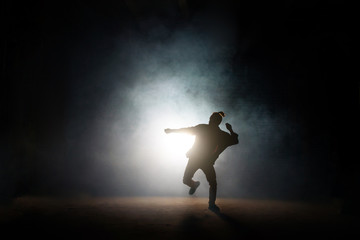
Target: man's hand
(229, 127)
(167, 130)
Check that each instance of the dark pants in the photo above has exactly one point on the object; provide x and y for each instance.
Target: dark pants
(208, 168)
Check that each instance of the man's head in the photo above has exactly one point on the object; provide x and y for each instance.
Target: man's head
(216, 118)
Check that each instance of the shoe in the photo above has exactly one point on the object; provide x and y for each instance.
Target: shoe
(214, 208)
(193, 189)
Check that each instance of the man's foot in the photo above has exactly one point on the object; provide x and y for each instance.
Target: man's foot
(214, 208)
(193, 189)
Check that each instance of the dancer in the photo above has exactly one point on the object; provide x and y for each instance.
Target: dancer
(209, 143)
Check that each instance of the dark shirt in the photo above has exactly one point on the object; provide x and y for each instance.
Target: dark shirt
(209, 143)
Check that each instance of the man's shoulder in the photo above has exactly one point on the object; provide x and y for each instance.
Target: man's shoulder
(223, 133)
(201, 128)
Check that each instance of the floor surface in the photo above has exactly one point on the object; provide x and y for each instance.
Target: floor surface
(171, 218)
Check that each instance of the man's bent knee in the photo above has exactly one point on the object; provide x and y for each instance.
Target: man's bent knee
(187, 181)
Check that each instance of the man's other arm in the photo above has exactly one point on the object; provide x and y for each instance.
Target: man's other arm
(233, 136)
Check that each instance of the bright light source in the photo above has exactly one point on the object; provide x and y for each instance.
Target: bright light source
(178, 144)
(174, 147)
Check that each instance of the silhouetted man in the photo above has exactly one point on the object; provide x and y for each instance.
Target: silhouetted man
(209, 143)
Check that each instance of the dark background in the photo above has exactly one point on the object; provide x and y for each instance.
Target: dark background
(291, 58)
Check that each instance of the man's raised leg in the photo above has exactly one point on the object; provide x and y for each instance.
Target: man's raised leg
(190, 170)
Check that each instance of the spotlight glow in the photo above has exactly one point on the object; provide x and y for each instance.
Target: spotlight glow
(175, 147)
(178, 144)
(172, 149)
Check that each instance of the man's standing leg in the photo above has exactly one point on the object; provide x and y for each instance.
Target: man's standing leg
(210, 174)
(190, 170)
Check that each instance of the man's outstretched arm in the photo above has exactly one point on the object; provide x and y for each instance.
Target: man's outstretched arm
(189, 130)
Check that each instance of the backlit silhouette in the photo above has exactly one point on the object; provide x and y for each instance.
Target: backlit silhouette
(209, 143)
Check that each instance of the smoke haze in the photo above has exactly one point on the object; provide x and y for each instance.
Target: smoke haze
(128, 79)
